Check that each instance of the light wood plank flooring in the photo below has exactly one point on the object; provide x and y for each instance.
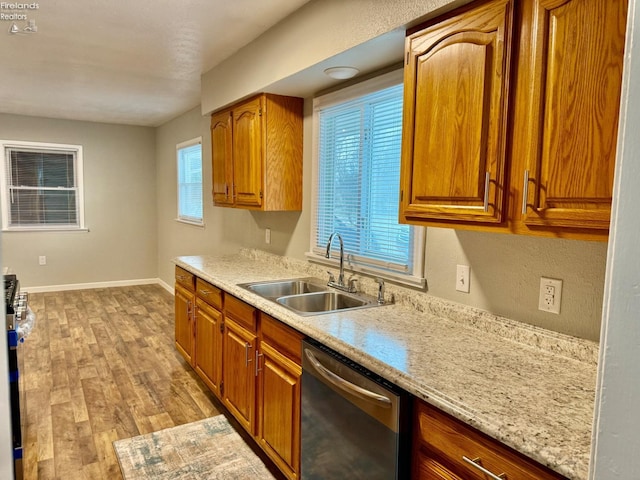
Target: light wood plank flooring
(101, 365)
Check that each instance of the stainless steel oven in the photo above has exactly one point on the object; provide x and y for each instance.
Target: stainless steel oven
(354, 423)
(19, 320)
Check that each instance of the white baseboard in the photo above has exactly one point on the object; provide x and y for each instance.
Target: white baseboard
(166, 286)
(86, 286)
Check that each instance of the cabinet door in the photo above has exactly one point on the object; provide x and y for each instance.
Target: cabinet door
(208, 345)
(222, 157)
(455, 114)
(247, 153)
(279, 409)
(569, 110)
(239, 373)
(184, 306)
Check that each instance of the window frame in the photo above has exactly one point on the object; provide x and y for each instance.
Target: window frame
(415, 277)
(179, 217)
(79, 185)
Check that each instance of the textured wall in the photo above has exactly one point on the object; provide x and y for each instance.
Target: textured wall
(120, 209)
(505, 269)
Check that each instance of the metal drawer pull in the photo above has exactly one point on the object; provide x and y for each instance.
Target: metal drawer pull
(345, 385)
(205, 292)
(487, 180)
(247, 346)
(525, 192)
(258, 355)
(489, 474)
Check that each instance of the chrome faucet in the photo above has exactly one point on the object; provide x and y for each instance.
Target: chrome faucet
(340, 283)
(380, 282)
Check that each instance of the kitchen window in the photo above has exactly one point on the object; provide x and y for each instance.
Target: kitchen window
(41, 186)
(189, 156)
(357, 180)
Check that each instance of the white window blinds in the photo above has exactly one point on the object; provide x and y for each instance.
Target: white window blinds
(42, 187)
(358, 178)
(190, 181)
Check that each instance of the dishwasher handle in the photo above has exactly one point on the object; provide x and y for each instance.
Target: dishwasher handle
(346, 385)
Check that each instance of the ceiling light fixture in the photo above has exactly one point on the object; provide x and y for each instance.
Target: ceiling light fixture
(341, 73)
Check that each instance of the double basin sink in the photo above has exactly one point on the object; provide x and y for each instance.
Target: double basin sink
(309, 296)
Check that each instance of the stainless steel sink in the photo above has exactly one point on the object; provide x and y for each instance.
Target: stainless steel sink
(324, 302)
(282, 288)
(309, 296)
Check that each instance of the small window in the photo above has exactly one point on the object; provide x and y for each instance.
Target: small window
(42, 186)
(190, 181)
(357, 180)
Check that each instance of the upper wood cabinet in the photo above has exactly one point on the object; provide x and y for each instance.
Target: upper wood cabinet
(257, 154)
(455, 116)
(566, 125)
(511, 117)
(221, 155)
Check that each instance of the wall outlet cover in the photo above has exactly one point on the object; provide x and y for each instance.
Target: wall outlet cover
(550, 296)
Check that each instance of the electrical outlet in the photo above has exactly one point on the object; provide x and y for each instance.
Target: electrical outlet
(42, 260)
(550, 295)
(462, 278)
(267, 236)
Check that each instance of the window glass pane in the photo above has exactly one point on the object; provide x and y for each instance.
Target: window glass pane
(41, 187)
(359, 179)
(190, 183)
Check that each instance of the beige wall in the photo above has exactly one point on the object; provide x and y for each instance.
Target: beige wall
(120, 210)
(505, 269)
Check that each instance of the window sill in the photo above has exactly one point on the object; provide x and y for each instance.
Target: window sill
(187, 222)
(402, 279)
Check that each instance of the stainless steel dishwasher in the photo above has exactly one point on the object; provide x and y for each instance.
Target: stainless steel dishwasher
(354, 423)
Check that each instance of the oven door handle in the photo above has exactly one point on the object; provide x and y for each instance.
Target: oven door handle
(346, 385)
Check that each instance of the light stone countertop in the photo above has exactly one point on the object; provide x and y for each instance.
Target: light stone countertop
(529, 388)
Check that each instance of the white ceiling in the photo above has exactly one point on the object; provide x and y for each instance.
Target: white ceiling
(131, 62)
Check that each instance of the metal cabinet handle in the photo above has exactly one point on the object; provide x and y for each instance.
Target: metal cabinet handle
(525, 192)
(247, 346)
(346, 385)
(205, 292)
(489, 474)
(487, 180)
(258, 355)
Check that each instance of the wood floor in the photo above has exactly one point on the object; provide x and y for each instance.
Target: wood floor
(101, 365)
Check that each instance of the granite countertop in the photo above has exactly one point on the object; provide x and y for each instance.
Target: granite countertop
(529, 388)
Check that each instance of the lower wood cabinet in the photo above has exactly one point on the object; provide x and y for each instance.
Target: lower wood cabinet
(208, 345)
(250, 361)
(238, 373)
(184, 313)
(279, 375)
(445, 448)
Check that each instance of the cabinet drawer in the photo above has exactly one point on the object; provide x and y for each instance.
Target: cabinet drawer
(184, 278)
(243, 313)
(451, 440)
(285, 339)
(209, 293)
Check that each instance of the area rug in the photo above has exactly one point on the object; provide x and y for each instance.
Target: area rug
(207, 449)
